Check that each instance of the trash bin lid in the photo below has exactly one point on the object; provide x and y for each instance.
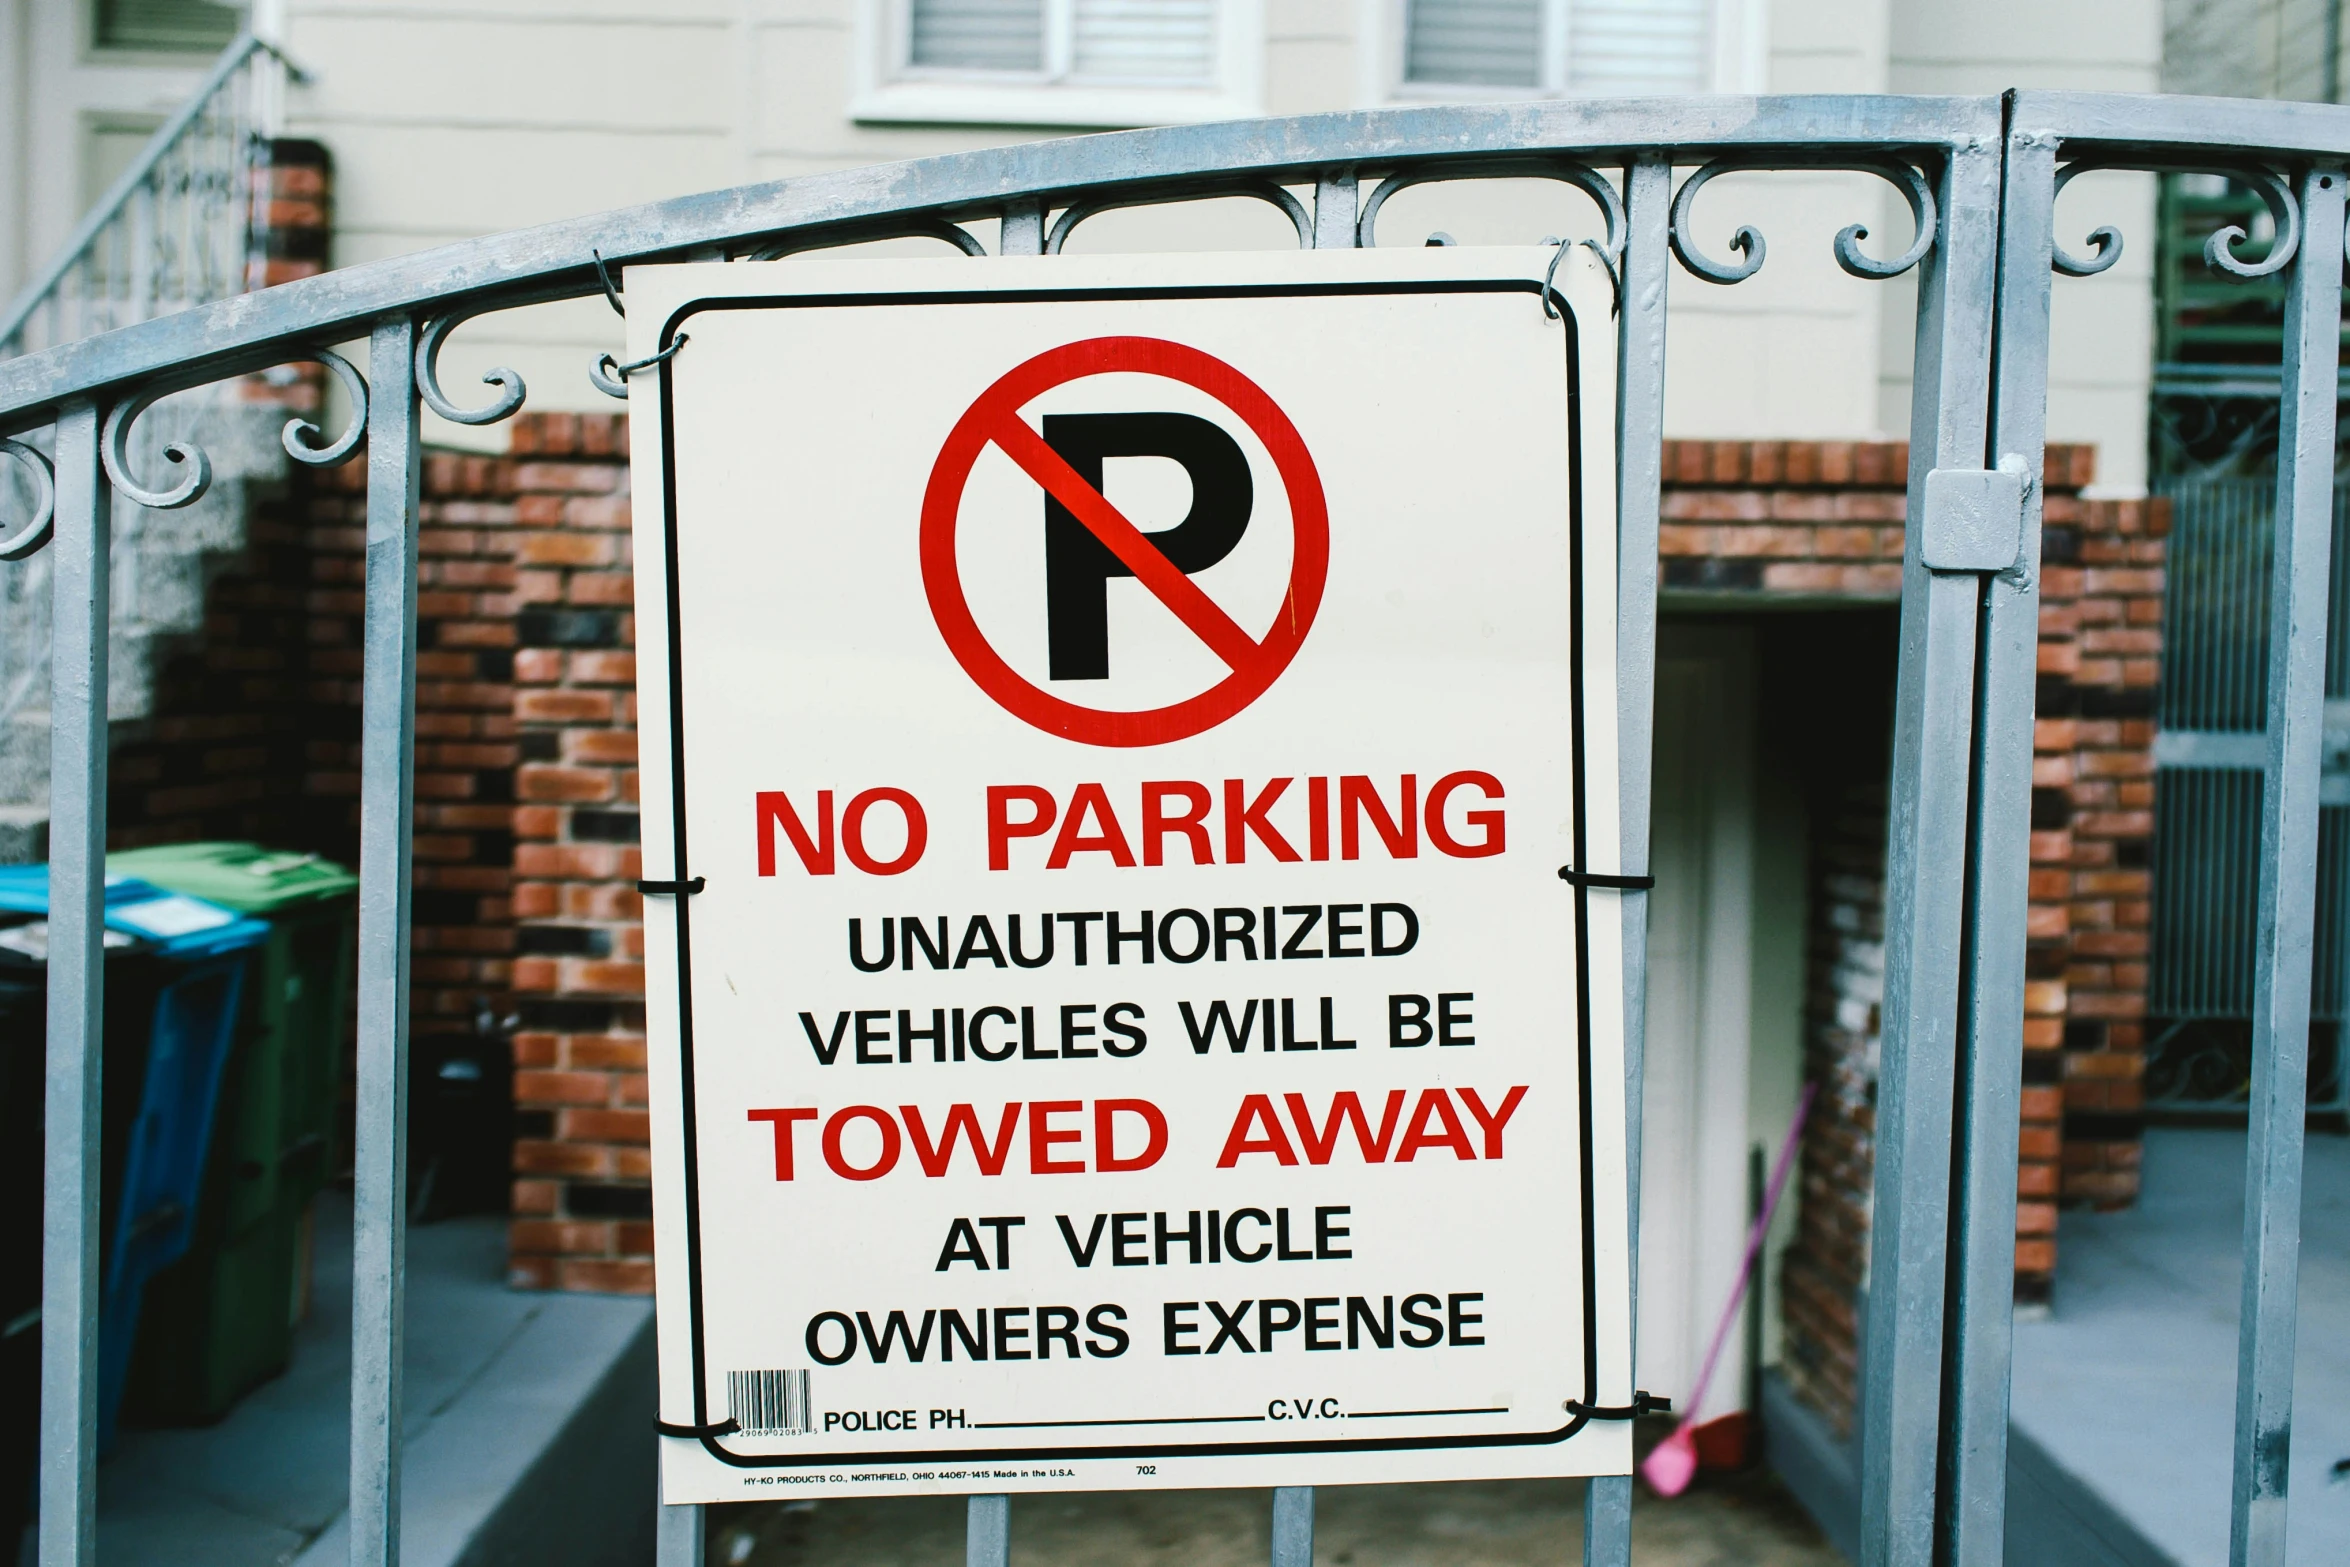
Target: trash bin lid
(241, 876)
(171, 923)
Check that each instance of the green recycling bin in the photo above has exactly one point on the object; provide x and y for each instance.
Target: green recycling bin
(220, 1321)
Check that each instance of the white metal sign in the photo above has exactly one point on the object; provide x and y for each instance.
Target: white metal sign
(1113, 728)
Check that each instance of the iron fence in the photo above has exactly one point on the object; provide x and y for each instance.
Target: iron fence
(2210, 752)
(1979, 175)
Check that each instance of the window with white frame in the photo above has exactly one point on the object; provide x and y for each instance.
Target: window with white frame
(1064, 61)
(1600, 47)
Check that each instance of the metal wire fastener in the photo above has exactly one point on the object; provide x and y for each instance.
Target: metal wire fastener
(1575, 878)
(670, 889)
(603, 276)
(726, 1427)
(1606, 262)
(1642, 1404)
(611, 377)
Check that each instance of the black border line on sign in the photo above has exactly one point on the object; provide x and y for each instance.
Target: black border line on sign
(683, 909)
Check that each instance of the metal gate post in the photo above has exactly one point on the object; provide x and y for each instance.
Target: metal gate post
(1640, 402)
(2288, 877)
(1293, 1526)
(77, 995)
(1925, 890)
(1991, 1056)
(387, 762)
(679, 1534)
(987, 1531)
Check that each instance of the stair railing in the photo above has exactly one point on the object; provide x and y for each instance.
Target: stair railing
(180, 226)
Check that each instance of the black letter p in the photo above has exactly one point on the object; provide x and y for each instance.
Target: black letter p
(1078, 566)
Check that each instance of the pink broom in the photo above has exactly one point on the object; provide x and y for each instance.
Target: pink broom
(1670, 1467)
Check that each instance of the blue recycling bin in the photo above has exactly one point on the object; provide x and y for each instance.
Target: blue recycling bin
(175, 981)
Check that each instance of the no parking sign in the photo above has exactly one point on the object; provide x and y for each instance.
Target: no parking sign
(1111, 730)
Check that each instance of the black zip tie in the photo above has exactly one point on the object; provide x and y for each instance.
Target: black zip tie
(1575, 878)
(726, 1427)
(669, 889)
(1643, 1403)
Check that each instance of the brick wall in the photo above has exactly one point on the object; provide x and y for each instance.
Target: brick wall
(583, 1209)
(2093, 820)
(463, 936)
(1826, 1264)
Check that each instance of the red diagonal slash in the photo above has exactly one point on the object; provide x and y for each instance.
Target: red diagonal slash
(1153, 570)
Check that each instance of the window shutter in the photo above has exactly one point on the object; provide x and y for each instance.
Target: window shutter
(166, 24)
(1475, 43)
(1613, 46)
(1639, 46)
(978, 35)
(1166, 41)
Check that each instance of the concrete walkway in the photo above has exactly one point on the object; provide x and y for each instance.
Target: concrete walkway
(1737, 1521)
(529, 1429)
(2124, 1403)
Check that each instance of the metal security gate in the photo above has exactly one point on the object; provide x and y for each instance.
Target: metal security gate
(2210, 751)
(1980, 176)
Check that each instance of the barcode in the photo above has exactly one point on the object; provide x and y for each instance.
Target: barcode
(768, 1403)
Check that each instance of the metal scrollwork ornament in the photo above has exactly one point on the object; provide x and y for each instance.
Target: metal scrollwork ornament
(1587, 180)
(35, 533)
(511, 391)
(114, 450)
(301, 436)
(1747, 240)
(2105, 238)
(2219, 249)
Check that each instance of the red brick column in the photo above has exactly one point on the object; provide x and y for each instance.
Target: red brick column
(2093, 819)
(583, 1208)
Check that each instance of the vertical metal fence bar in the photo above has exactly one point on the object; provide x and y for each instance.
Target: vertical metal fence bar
(2287, 908)
(1925, 892)
(1337, 200)
(1991, 1027)
(679, 1536)
(1640, 400)
(386, 809)
(1021, 230)
(1293, 1526)
(987, 1531)
(77, 996)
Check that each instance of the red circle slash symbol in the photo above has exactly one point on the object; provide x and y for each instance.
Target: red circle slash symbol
(995, 419)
